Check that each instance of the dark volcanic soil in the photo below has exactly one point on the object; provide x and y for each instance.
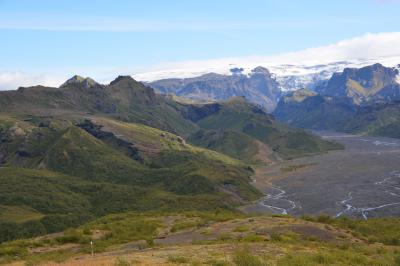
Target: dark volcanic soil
(361, 181)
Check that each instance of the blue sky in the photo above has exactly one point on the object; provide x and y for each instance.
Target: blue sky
(70, 35)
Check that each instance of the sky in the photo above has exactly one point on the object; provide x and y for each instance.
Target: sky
(46, 40)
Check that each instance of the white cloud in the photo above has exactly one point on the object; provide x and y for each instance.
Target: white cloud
(379, 47)
(367, 46)
(10, 80)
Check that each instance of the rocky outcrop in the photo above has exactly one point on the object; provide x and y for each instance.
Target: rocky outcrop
(365, 84)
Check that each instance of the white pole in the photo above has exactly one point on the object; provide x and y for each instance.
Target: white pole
(91, 245)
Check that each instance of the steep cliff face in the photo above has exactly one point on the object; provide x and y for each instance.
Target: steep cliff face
(355, 100)
(369, 83)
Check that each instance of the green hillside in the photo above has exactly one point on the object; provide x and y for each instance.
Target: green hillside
(233, 143)
(329, 113)
(243, 118)
(85, 150)
(213, 238)
(124, 99)
(315, 112)
(376, 120)
(59, 168)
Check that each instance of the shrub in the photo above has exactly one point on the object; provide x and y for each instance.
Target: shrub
(245, 258)
(324, 218)
(241, 229)
(397, 260)
(121, 262)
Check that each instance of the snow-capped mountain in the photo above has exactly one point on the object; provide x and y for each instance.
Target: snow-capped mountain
(289, 76)
(259, 87)
(294, 70)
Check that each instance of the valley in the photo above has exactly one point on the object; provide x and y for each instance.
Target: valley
(117, 174)
(361, 181)
(215, 133)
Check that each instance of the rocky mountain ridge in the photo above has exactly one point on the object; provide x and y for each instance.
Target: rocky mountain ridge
(259, 87)
(268, 86)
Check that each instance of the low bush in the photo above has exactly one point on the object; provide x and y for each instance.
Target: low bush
(243, 257)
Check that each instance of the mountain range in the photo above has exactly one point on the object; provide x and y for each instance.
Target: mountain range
(83, 150)
(118, 164)
(266, 85)
(258, 87)
(344, 96)
(363, 100)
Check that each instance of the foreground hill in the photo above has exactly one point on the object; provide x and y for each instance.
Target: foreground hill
(69, 173)
(84, 150)
(212, 238)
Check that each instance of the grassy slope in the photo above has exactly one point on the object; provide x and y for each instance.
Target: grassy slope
(18, 214)
(316, 112)
(383, 120)
(229, 142)
(152, 140)
(214, 238)
(85, 171)
(66, 201)
(239, 116)
(125, 99)
(66, 172)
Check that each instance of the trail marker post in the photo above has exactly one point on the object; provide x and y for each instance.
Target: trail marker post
(91, 246)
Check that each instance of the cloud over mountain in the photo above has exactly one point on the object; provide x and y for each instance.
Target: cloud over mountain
(376, 47)
(368, 46)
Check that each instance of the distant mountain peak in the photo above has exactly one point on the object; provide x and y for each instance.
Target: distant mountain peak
(86, 82)
(363, 84)
(260, 70)
(122, 78)
(236, 71)
(259, 87)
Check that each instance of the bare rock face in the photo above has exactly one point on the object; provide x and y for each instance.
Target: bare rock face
(259, 87)
(365, 84)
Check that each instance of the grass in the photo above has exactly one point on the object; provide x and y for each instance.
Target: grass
(238, 116)
(178, 259)
(122, 228)
(81, 170)
(60, 171)
(18, 214)
(74, 201)
(55, 256)
(335, 256)
(377, 120)
(245, 258)
(241, 229)
(246, 248)
(229, 142)
(382, 230)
